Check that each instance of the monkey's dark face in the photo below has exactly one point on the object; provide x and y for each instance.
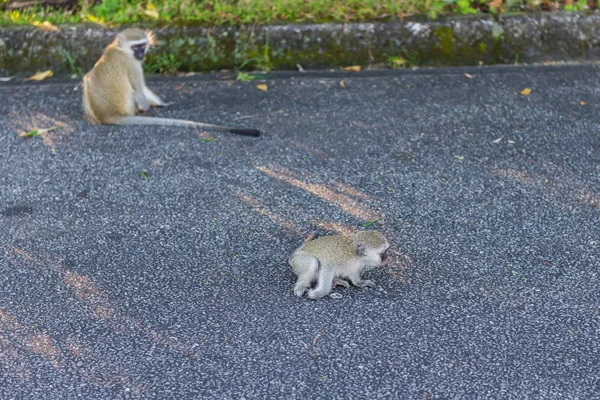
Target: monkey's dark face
(384, 256)
(139, 51)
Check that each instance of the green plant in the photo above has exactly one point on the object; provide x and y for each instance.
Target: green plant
(75, 70)
(462, 6)
(244, 77)
(164, 63)
(263, 62)
(434, 7)
(580, 5)
(403, 59)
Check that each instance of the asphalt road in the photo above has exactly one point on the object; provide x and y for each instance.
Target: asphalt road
(150, 262)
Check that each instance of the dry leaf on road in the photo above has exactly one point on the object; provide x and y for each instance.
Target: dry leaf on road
(526, 92)
(262, 86)
(343, 84)
(40, 76)
(353, 68)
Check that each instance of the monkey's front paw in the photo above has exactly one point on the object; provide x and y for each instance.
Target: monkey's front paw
(299, 290)
(313, 294)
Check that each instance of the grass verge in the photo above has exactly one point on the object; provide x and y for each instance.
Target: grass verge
(234, 12)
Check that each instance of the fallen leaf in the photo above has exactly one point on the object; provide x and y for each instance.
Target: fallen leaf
(143, 174)
(208, 140)
(40, 76)
(151, 11)
(343, 84)
(583, 103)
(262, 86)
(6, 79)
(38, 131)
(459, 157)
(469, 76)
(497, 140)
(46, 26)
(310, 237)
(370, 223)
(353, 68)
(511, 141)
(526, 92)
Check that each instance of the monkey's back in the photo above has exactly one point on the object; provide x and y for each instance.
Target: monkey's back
(108, 94)
(333, 249)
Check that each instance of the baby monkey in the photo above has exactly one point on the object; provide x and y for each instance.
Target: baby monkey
(331, 260)
(115, 88)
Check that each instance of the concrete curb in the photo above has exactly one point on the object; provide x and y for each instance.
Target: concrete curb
(527, 38)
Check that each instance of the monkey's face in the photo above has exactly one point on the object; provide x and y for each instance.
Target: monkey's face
(373, 256)
(139, 51)
(384, 256)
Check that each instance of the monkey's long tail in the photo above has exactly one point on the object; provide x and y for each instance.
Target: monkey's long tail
(137, 120)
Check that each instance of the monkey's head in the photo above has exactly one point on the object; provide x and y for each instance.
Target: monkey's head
(371, 247)
(136, 42)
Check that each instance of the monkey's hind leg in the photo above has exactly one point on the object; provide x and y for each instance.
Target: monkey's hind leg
(357, 281)
(306, 267)
(324, 283)
(340, 282)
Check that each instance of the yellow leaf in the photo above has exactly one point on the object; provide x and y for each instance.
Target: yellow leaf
(583, 103)
(40, 76)
(343, 84)
(497, 140)
(526, 92)
(353, 68)
(151, 11)
(398, 61)
(46, 26)
(262, 86)
(459, 157)
(469, 76)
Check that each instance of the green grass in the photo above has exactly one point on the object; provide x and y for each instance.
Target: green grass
(233, 12)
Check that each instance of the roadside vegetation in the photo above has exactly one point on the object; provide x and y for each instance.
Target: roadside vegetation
(234, 12)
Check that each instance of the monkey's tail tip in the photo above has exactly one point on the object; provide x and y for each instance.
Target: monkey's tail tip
(245, 132)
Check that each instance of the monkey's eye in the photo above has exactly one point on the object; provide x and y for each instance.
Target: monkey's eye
(138, 47)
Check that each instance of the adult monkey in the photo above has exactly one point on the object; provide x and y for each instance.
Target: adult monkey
(115, 88)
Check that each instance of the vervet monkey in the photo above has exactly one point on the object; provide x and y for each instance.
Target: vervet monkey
(115, 88)
(331, 260)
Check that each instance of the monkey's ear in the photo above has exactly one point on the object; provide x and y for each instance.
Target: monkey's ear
(361, 250)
